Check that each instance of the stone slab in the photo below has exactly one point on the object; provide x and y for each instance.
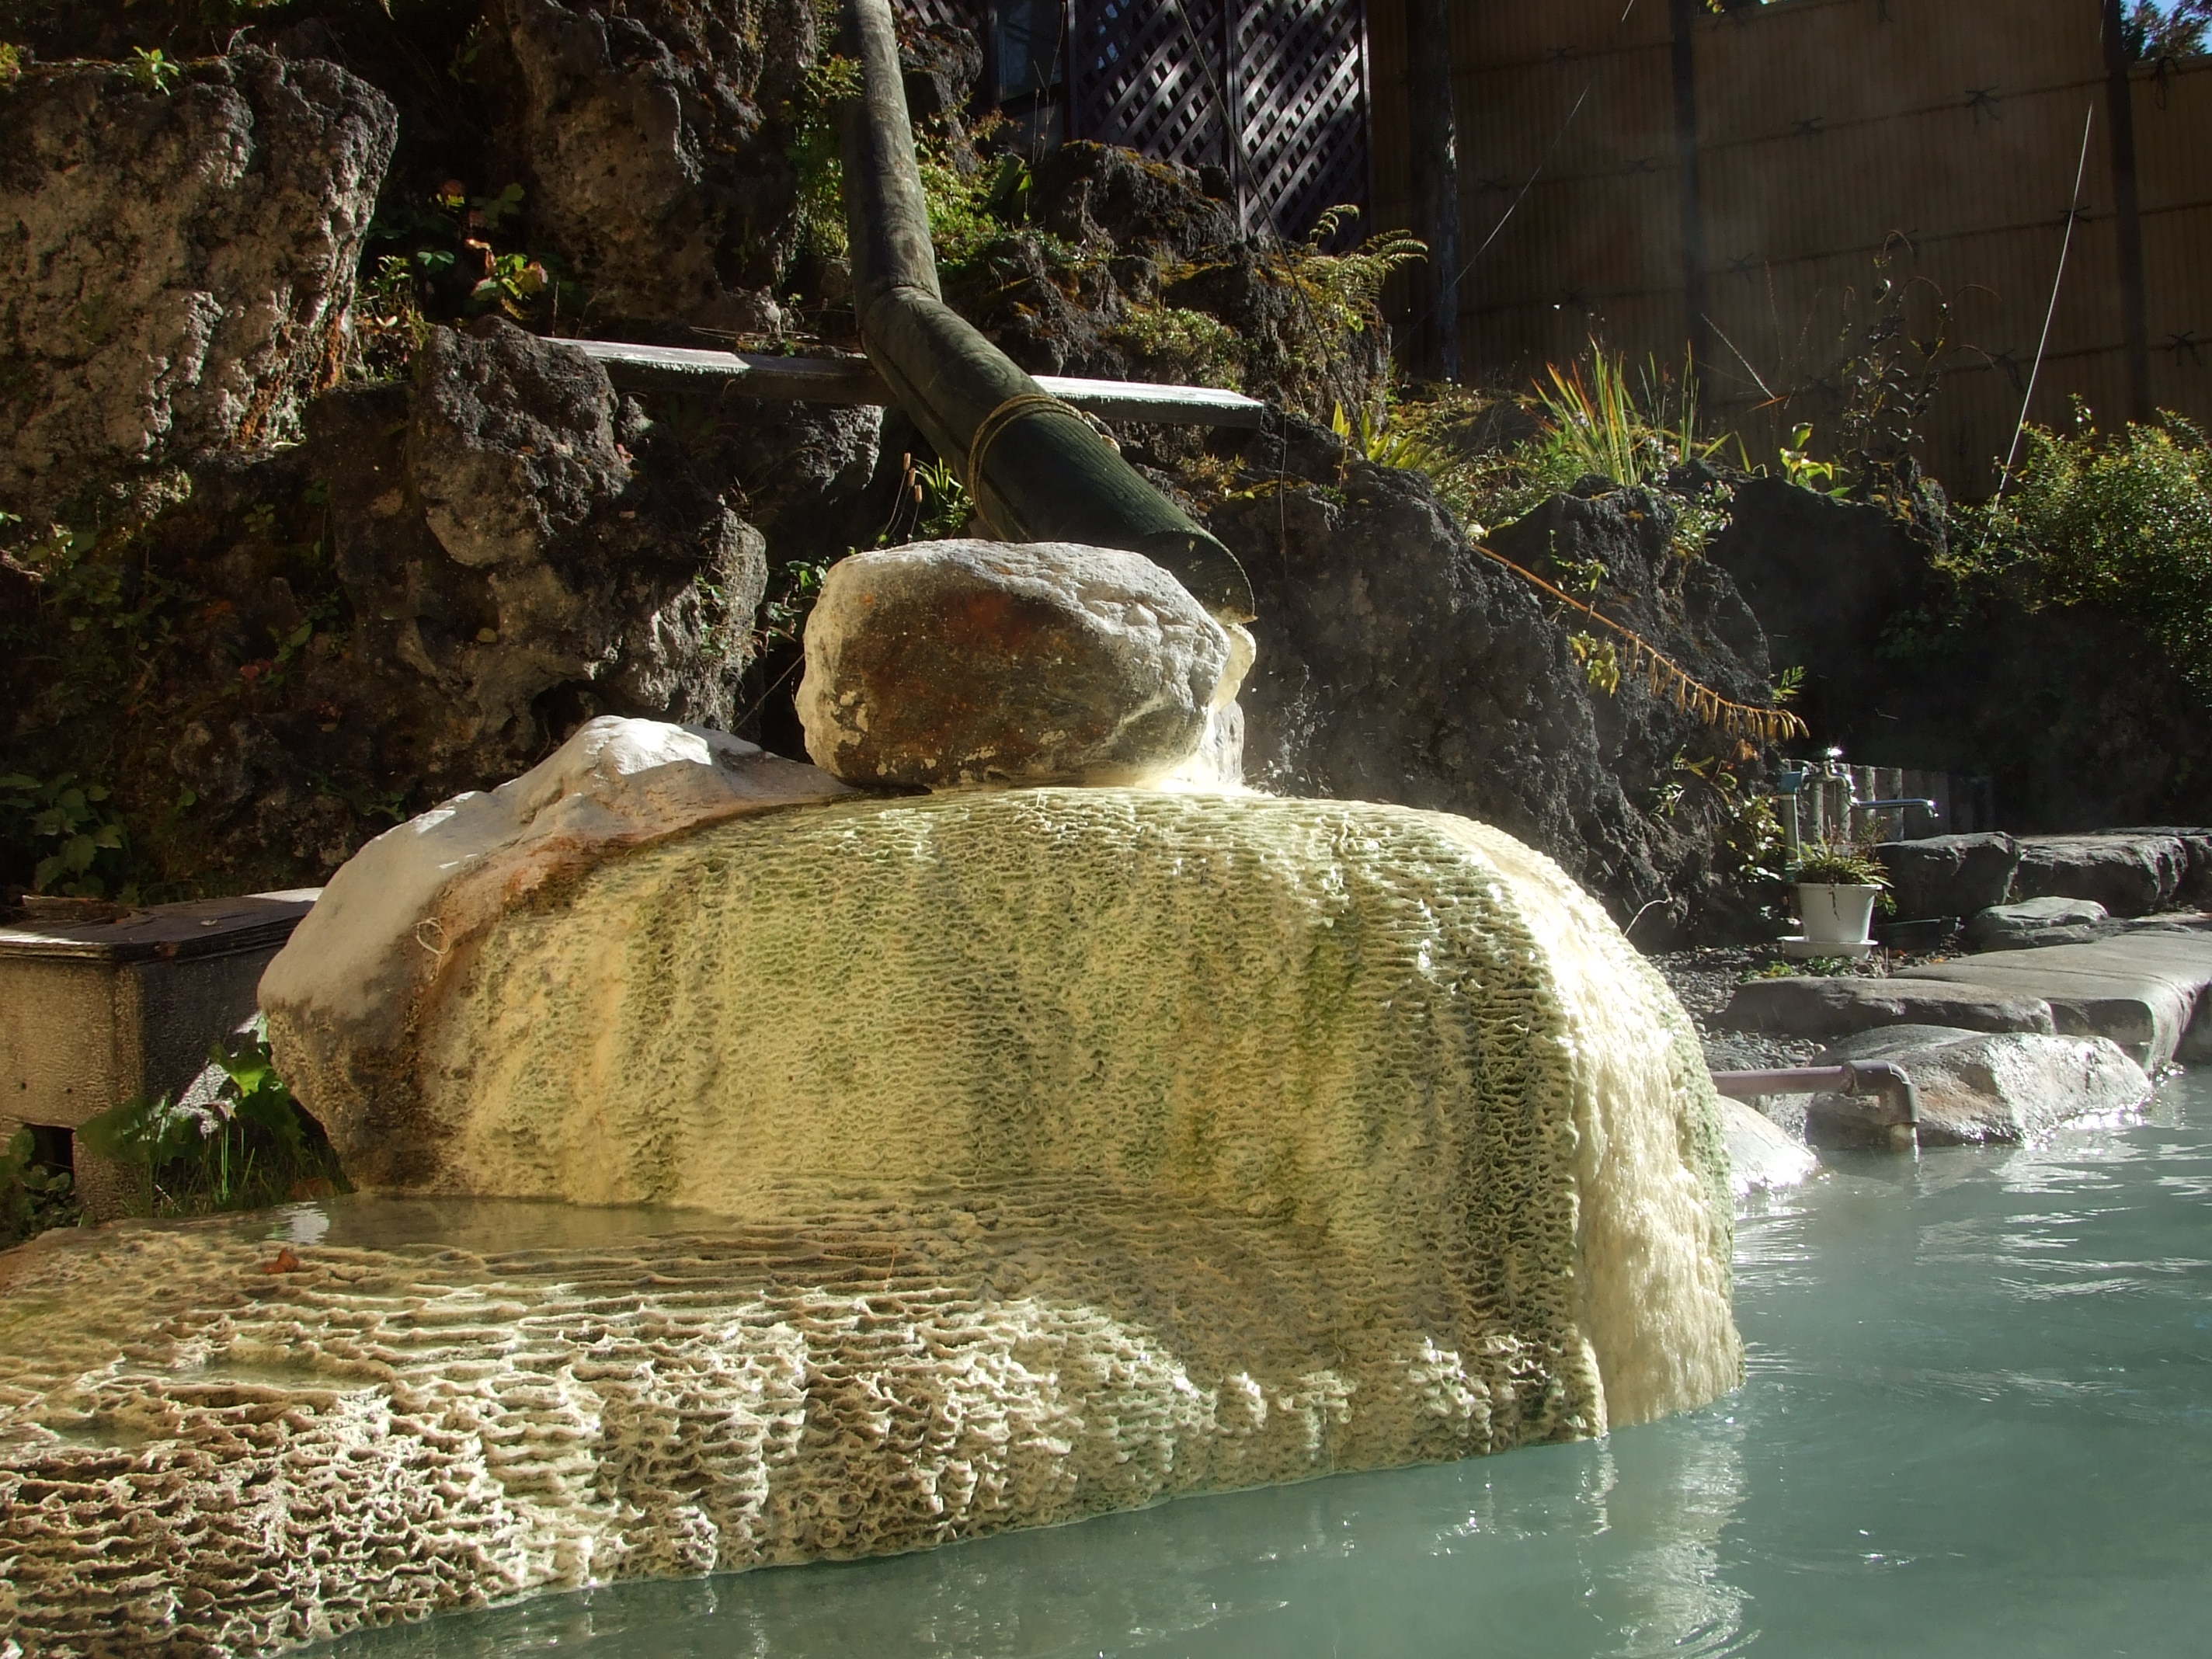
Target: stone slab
(2003, 925)
(1823, 1007)
(2142, 989)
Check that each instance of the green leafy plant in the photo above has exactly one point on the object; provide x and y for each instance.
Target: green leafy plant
(152, 69)
(34, 1195)
(1838, 864)
(1600, 660)
(69, 834)
(1346, 287)
(1799, 467)
(1376, 439)
(236, 1140)
(2123, 521)
(1894, 348)
(11, 62)
(1632, 429)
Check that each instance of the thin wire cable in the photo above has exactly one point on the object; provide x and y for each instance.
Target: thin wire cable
(2073, 211)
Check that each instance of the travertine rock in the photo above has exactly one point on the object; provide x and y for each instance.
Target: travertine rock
(960, 662)
(177, 264)
(1054, 1150)
(343, 996)
(1399, 1034)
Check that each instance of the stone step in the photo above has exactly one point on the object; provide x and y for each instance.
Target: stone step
(1812, 1006)
(2144, 990)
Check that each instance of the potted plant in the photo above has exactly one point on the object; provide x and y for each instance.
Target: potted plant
(1836, 888)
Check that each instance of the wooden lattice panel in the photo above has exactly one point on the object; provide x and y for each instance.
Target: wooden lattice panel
(1148, 75)
(1163, 77)
(1301, 90)
(974, 16)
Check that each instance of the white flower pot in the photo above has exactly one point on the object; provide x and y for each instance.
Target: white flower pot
(1835, 914)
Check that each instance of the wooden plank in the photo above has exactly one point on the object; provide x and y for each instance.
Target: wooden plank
(852, 380)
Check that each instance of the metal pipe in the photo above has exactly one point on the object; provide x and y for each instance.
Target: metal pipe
(1884, 1079)
(1037, 469)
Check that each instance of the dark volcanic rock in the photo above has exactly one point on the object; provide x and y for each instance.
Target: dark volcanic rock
(177, 264)
(1949, 875)
(423, 596)
(1396, 663)
(2075, 713)
(1826, 578)
(2129, 875)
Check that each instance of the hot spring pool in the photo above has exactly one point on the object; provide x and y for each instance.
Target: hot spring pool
(1978, 1420)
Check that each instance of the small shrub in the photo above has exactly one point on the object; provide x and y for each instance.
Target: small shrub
(33, 1196)
(1838, 864)
(65, 836)
(236, 1140)
(2124, 521)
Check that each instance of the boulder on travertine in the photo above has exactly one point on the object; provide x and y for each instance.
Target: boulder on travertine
(1948, 875)
(178, 261)
(2004, 926)
(343, 995)
(1762, 1157)
(2129, 875)
(1977, 1087)
(1804, 1005)
(962, 662)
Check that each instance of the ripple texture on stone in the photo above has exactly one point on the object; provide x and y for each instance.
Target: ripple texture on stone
(1072, 1149)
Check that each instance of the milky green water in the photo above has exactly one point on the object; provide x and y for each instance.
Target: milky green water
(1978, 1421)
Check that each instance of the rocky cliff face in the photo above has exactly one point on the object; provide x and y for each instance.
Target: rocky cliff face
(178, 261)
(274, 620)
(1396, 663)
(648, 141)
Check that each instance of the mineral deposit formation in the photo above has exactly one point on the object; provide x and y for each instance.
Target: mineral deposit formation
(1046, 1151)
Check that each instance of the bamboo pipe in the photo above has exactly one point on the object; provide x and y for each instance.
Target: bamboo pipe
(1037, 469)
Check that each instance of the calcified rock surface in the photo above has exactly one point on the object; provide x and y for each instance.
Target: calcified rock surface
(367, 962)
(1073, 1148)
(178, 261)
(1395, 1038)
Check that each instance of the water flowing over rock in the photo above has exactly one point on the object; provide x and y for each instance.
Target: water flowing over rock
(1045, 663)
(178, 263)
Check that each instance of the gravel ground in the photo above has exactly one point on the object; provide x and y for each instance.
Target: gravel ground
(1705, 979)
